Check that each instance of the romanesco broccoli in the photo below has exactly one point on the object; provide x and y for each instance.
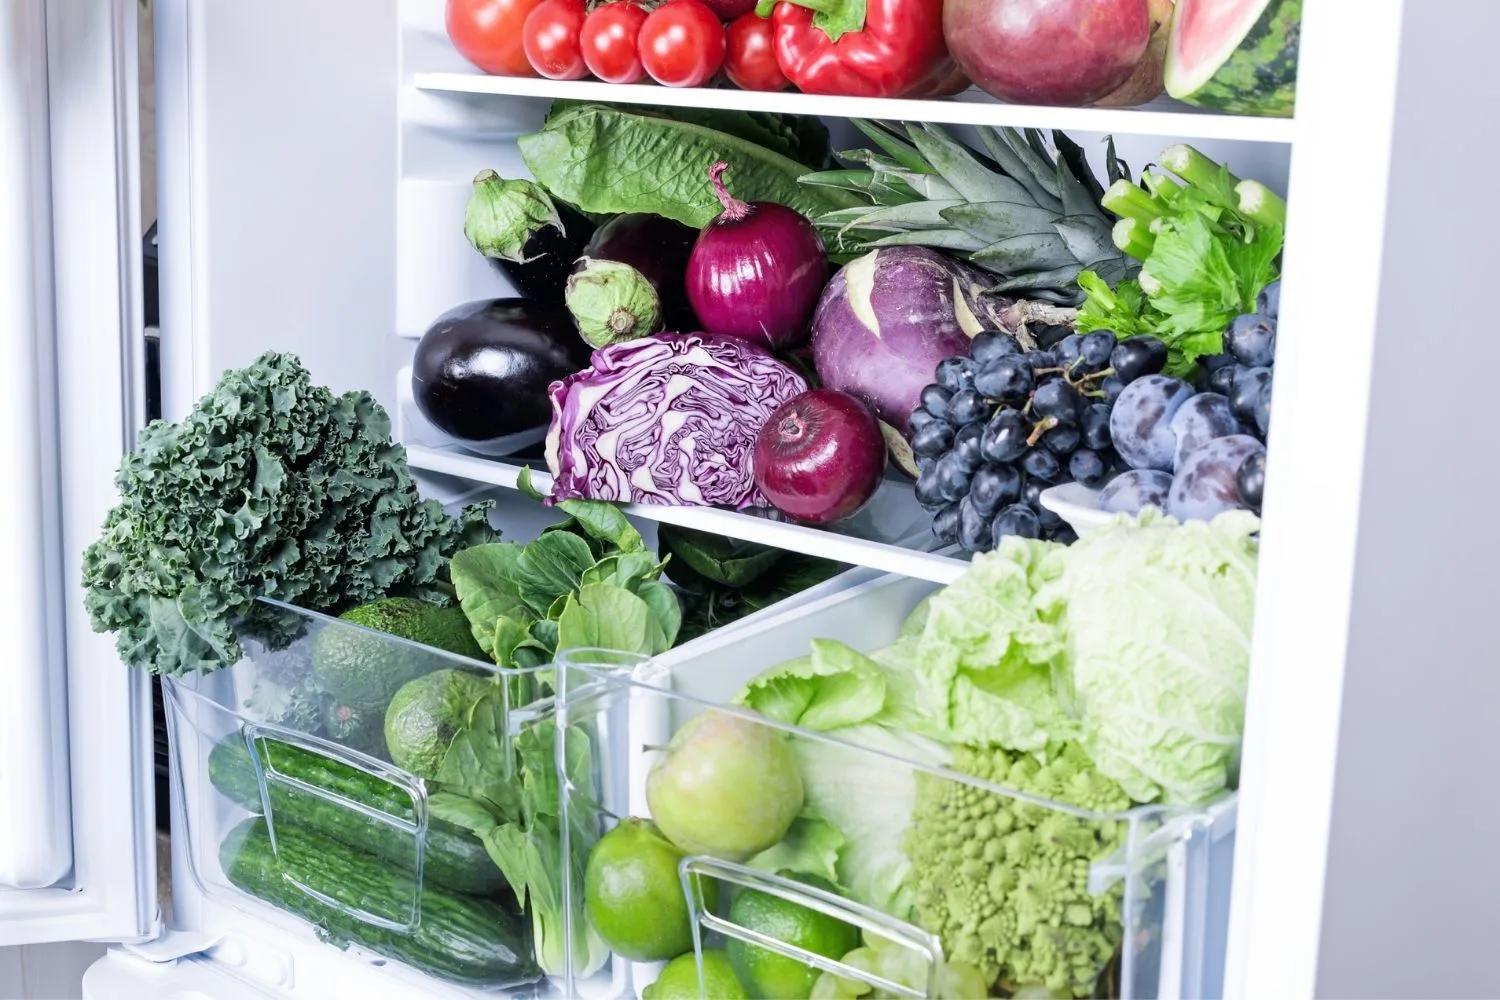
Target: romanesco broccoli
(1003, 882)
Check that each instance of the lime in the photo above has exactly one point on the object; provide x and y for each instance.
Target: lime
(679, 980)
(633, 895)
(779, 977)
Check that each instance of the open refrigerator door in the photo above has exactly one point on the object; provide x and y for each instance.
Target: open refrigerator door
(77, 859)
(317, 163)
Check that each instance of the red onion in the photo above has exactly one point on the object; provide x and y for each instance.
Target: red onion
(756, 271)
(820, 456)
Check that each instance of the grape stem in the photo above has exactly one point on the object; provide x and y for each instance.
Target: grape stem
(1042, 427)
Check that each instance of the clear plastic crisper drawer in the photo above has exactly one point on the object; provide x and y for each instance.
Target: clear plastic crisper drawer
(785, 860)
(293, 795)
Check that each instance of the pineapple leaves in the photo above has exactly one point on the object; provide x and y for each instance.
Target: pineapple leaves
(996, 220)
(887, 137)
(1023, 205)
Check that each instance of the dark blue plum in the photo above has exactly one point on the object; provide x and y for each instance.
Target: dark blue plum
(1133, 491)
(1207, 482)
(1139, 424)
(1268, 301)
(1199, 420)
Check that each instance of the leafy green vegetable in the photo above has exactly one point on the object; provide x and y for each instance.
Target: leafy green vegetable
(606, 159)
(834, 687)
(273, 487)
(810, 847)
(1205, 258)
(720, 580)
(803, 138)
(1157, 618)
(523, 835)
(587, 581)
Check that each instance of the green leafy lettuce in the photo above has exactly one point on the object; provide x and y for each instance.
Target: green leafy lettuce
(1156, 617)
(587, 581)
(607, 160)
(507, 793)
(271, 486)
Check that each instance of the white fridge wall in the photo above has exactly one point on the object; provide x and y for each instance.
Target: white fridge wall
(78, 744)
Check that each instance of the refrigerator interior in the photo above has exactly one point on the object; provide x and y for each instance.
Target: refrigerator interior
(311, 202)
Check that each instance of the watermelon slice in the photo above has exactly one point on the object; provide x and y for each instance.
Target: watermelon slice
(1238, 56)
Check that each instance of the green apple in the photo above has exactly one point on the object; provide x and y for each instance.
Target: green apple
(727, 786)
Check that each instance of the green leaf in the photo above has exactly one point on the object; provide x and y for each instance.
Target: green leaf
(1017, 159)
(717, 558)
(665, 610)
(461, 811)
(833, 687)
(1089, 239)
(478, 762)
(610, 160)
(622, 569)
(484, 578)
(604, 521)
(960, 167)
(551, 565)
(810, 847)
(544, 631)
(524, 485)
(606, 617)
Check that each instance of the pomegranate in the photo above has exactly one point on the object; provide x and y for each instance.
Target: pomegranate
(1059, 52)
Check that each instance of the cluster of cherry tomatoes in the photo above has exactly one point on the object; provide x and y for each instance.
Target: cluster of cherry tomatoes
(679, 43)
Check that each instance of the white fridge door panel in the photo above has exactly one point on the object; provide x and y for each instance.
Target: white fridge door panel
(76, 857)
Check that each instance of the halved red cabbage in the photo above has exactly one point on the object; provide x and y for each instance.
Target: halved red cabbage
(668, 419)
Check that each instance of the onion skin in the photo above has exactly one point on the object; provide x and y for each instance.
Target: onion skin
(820, 456)
(756, 271)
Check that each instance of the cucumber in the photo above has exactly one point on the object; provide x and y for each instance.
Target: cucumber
(462, 939)
(454, 858)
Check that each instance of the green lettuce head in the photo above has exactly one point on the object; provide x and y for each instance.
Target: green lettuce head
(1158, 618)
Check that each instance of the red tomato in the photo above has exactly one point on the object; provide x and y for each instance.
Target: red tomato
(609, 42)
(488, 34)
(682, 44)
(551, 36)
(751, 59)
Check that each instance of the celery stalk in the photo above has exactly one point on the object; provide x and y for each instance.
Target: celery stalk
(1130, 202)
(1134, 237)
(1192, 166)
(1260, 204)
(1161, 186)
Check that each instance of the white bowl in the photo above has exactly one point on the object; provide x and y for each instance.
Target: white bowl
(1076, 504)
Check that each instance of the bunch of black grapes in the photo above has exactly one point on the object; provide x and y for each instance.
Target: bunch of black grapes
(998, 427)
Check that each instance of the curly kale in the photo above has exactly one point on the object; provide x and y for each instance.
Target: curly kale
(1004, 883)
(272, 486)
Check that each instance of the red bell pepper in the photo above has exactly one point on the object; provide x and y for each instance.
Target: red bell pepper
(859, 48)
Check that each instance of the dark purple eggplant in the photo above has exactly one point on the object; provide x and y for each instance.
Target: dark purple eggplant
(530, 239)
(481, 371)
(657, 247)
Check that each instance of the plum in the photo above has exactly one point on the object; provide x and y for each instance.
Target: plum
(1062, 52)
(1207, 481)
(1201, 419)
(727, 786)
(1131, 492)
(1140, 421)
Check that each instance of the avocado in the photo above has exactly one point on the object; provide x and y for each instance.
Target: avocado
(361, 672)
(426, 714)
